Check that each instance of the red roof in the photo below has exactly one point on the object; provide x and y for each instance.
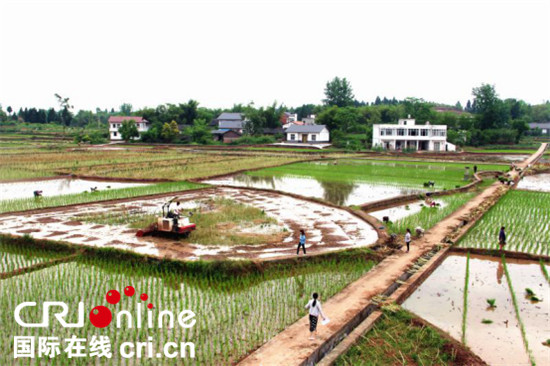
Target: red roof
(120, 119)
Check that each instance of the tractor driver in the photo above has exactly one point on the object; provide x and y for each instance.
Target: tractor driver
(176, 215)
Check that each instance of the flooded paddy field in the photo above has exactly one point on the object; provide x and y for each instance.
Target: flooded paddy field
(228, 307)
(456, 299)
(526, 217)
(355, 182)
(57, 187)
(537, 182)
(326, 228)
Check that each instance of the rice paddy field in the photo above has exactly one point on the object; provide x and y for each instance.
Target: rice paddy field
(526, 217)
(229, 309)
(356, 182)
(498, 307)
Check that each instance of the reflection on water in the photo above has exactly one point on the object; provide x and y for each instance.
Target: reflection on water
(341, 193)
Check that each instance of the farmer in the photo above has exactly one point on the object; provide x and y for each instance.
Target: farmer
(314, 306)
(475, 169)
(502, 238)
(176, 215)
(302, 242)
(408, 239)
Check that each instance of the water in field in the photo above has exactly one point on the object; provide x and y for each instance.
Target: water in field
(539, 182)
(57, 187)
(400, 212)
(440, 301)
(340, 193)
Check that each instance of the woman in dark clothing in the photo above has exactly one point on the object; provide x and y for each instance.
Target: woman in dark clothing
(502, 238)
(302, 242)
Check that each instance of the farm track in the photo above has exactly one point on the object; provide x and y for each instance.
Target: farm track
(344, 308)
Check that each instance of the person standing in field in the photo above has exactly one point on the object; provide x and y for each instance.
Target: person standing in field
(502, 238)
(408, 239)
(302, 242)
(314, 306)
(475, 169)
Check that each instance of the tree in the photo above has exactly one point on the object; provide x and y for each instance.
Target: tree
(458, 105)
(338, 92)
(468, 107)
(255, 121)
(125, 109)
(489, 109)
(170, 131)
(65, 114)
(199, 133)
(521, 126)
(128, 130)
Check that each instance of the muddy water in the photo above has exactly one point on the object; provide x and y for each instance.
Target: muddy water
(56, 187)
(340, 193)
(535, 316)
(439, 299)
(539, 182)
(501, 342)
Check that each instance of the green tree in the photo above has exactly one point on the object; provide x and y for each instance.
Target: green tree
(125, 109)
(255, 121)
(328, 118)
(128, 130)
(65, 114)
(170, 131)
(489, 109)
(338, 92)
(199, 133)
(521, 126)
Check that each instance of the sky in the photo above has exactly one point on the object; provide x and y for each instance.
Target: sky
(104, 53)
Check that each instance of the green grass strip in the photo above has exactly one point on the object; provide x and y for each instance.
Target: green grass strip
(465, 305)
(516, 308)
(544, 271)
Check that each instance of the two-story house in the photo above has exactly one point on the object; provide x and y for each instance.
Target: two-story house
(115, 122)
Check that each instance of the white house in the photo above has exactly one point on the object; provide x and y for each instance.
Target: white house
(116, 121)
(307, 133)
(406, 134)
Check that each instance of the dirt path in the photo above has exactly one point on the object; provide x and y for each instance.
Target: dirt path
(292, 347)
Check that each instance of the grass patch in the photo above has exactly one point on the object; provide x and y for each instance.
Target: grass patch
(486, 321)
(397, 340)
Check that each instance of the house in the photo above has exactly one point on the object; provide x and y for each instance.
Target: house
(307, 133)
(115, 122)
(237, 126)
(288, 117)
(309, 120)
(544, 127)
(406, 134)
(226, 135)
(227, 117)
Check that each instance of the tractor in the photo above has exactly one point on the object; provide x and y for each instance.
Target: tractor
(170, 223)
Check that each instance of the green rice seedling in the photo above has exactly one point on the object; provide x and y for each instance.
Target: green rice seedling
(491, 303)
(487, 321)
(517, 310)
(465, 303)
(544, 271)
(526, 216)
(546, 343)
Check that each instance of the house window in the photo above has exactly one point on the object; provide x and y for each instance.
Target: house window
(423, 132)
(400, 132)
(313, 137)
(114, 134)
(389, 131)
(439, 133)
(413, 132)
(292, 137)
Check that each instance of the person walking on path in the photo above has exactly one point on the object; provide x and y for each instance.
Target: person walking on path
(314, 306)
(302, 242)
(502, 238)
(408, 239)
(475, 169)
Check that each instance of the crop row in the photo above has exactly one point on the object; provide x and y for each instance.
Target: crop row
(233, 317)
(526, 217)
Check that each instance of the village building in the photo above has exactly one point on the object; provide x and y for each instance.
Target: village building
(406, 134)
(543, 126)
(228, 118)
(307, 133)
(115, 122)
(226, 135)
